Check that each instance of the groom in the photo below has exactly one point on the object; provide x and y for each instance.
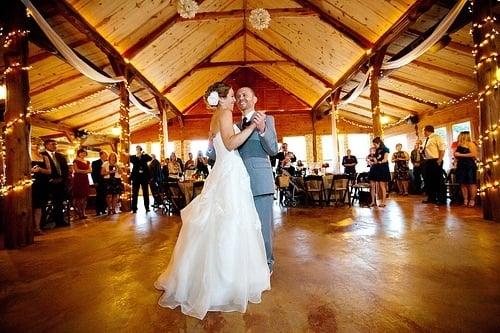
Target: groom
(255, 153)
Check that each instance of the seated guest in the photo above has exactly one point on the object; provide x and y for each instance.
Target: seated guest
(300, 168)
(202, 164)
(282, 154)
(111, 171)
(174, 167)
(349, 162)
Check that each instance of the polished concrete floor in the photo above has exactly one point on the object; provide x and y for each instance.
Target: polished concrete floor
(409, 267)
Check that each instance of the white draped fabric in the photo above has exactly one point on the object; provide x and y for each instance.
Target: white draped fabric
(75, 61)
(359, 89)
(438, 33)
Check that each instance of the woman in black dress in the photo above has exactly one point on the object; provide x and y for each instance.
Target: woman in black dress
(379, 172)
(466, 173)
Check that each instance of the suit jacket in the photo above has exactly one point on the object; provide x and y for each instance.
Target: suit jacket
(96, 171)
(63, 165)
(140, 169)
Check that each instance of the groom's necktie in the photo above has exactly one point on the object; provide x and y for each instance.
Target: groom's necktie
(245, 123)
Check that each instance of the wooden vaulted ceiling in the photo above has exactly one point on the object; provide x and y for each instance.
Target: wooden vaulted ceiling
(310, 49)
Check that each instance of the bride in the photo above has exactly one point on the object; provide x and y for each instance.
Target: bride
(219, 261)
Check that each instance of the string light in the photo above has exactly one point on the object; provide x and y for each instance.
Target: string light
(21, 185)
(486, 55)
(11, 36)
(14, 66)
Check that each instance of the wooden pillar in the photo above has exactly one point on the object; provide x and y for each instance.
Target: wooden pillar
(487, 70)
(165, 130)
(124, 147)
(315, 150)
(335, 136)
(376, 63)
(18, 210)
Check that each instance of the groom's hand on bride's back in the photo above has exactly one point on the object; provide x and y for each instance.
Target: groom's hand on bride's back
(260, 121)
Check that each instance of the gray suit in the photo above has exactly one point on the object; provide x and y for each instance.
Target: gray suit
(255, 153)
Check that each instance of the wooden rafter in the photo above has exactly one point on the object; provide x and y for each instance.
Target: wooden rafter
(240, 13)
(44, 55)
(318, 77)
(82, 25)
(417, 8)
(51, 125)
(396, 110)
(143, 42)
(244, 63)
(205, 60)
(424, 87)
(397, 93)
(338, 25)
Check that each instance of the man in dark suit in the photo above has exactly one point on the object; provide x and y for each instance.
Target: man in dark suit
(100, 187)
(140, 177)
(58, 180)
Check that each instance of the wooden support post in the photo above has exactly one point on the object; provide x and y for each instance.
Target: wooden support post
(124, 147)
(488, 78)
(18, 210)
(165, 130)
(374, 91)
(335, 136)
(315, 148)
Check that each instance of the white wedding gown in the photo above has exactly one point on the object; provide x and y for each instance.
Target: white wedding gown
(219, 261)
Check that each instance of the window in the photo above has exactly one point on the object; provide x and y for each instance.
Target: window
(155, 148)
(460, 127)
(327, 144)
(359, 144)
(197, 145)
(297, 145)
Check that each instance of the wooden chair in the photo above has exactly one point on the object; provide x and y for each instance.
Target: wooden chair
(315, 189)
(362, 185)
(282, 183)
(173, 197)
(339, 188)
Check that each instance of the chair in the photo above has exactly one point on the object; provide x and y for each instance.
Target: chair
(452, 188)
(339, 188)
(362, 185)
(282, 183)
(315, 189)
(197, 188)
(172, 196)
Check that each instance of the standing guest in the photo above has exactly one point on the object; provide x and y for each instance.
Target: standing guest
(100, 187)
(40, 167)
(417, 158)
(155, 172)
(81, 187)
(371, 159)
(379, 172)
(466, 173)
(349, 162)
(140, 177)
(58, 180)
(283, 153)
(401, 170)
(434, 148)
(111, 171)
(190, 163)
(202, 164)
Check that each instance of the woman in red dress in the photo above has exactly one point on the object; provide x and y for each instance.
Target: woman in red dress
(81, 188)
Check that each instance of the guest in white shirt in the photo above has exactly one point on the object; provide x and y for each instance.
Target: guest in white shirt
(434, 149)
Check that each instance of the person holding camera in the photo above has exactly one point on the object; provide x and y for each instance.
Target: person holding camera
(111, 172)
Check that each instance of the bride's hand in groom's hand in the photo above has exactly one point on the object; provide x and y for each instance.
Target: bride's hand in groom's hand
(260, 121)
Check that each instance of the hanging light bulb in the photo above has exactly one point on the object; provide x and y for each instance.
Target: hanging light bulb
(116, 130)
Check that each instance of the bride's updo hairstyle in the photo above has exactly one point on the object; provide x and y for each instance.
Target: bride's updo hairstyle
(214, 93)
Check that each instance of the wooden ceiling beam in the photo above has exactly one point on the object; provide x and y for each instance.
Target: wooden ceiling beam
(411, 15)
(152, 36)
(79, 22)
(113, 122)
(397, 93)
(452, 45)
(47, 54)
(318, 77)
(244, 63)
(241, 13)
(204, 61)
(51, 125)
(424, 87)
(388, 108)
(356, 37)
